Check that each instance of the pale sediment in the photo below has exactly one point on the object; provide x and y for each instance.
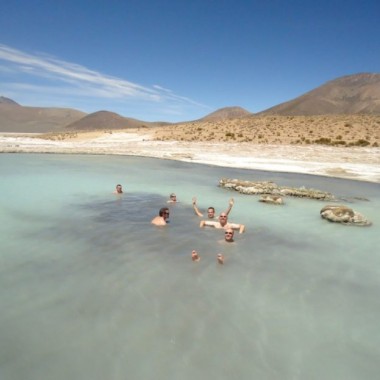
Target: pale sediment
(359, 163)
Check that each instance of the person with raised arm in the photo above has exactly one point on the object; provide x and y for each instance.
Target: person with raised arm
(211, 210)
(223, 223)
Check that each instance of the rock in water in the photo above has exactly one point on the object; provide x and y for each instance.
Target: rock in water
(272, 199)
(271, 188)
(344, 215)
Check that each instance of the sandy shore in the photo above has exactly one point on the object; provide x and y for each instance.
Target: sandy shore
(359, 163)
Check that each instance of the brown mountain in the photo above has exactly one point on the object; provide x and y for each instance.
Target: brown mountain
(4, 100)
(107, 120)
(348, 95)
(226, 113)
(19, 119)
(352, 94)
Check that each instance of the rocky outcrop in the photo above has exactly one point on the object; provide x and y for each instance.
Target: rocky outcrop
(271, 199)
(271, 188)
(344, 215)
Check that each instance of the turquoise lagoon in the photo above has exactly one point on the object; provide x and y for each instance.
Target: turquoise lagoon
(89, 289)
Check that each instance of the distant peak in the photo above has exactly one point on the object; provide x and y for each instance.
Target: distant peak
(4, 100)
(227, 113)
(346, 95)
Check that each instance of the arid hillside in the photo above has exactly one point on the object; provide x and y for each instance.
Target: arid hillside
(19, 119)
(342, 112)
(15, 118)
(226, 113)
(348, 95)
(106, 120)
(338, 130)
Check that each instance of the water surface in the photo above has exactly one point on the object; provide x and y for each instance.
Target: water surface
(89, 289)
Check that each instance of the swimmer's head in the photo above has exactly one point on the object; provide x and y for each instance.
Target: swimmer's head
(164, 212)
(119, 188)
(223, 218)
(211, 212)
(229, 235)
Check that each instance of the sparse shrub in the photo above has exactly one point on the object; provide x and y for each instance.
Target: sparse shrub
(323, 141)
(362, 142)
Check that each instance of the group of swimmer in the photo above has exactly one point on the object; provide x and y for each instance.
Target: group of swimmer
(220, 222)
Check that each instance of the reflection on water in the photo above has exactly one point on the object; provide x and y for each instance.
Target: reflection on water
(90, 290)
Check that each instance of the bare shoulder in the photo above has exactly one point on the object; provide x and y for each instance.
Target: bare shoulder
(158, 221)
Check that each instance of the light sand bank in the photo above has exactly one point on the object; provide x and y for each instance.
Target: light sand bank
(353, 163)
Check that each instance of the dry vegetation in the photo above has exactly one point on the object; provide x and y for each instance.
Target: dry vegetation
(333, 130)
(344, 130)
(74, 135)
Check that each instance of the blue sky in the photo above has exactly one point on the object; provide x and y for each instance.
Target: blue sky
(180, 60)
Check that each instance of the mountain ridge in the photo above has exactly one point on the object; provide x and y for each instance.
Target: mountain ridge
(350, 94)
(346, 95)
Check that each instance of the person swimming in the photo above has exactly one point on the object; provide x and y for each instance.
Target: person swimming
(162, 218)
(195, 256)
(118, 189)
(229, 235)
(172, 198)
(211, 210)
(222, 223)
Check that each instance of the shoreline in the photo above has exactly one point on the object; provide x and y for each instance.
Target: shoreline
(354, 163)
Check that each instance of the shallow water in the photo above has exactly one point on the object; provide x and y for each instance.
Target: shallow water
(89, 289)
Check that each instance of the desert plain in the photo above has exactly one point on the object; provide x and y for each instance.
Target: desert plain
(342, 146)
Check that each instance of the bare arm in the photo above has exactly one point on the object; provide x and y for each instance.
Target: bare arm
(196, 210)
(209, 223)
(235, 226)
(230, 205)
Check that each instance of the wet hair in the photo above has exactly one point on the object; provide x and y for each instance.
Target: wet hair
(162, 211)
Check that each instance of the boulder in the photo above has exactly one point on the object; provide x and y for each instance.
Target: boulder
(343, 214)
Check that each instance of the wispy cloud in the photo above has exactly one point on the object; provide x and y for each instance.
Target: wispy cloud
(66, 76)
